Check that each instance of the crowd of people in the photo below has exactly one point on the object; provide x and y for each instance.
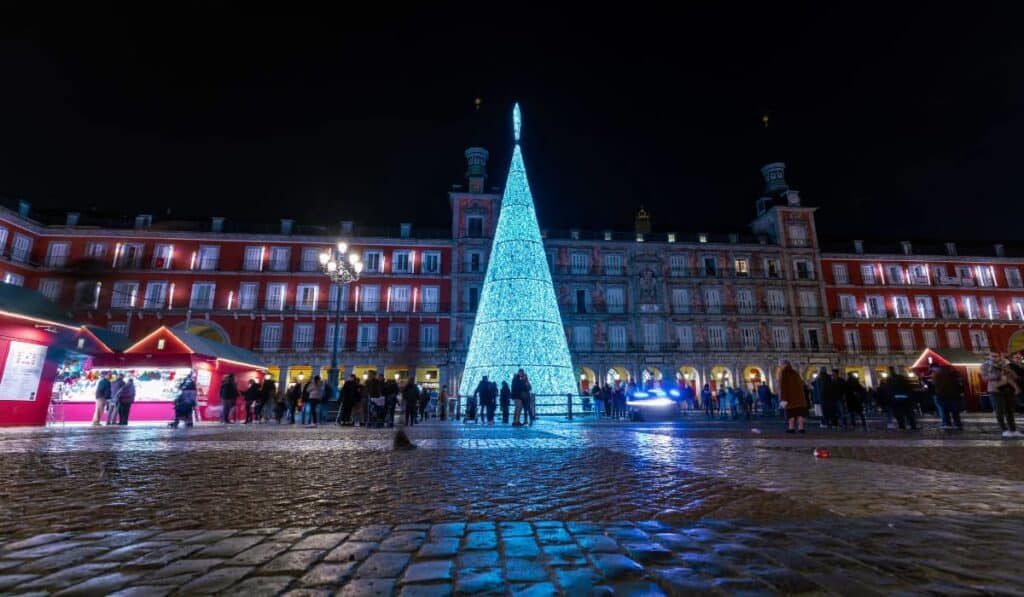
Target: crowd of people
(840, 402)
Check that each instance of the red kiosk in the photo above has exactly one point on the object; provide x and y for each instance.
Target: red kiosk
(158, 363)
(967, 365)
(33, 332)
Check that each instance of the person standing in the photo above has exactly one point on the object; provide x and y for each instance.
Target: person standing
(520, 391)
(442, 404)
(707, 402)
(349, 396)
(391, 392)
(505, 401)
(483, 392)
(855, 396)
(102, 396)
(115, 390)
(825, 394)
(292, 400)
(946, 385)
(315, 393)
(792, 397)
(424, 403)
(410, 402)
(898, 391)
(125, 397)
(1003, 386)
(268, 394)
(228, 396)
(249, 397)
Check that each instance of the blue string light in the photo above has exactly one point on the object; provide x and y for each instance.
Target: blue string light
(517, 320)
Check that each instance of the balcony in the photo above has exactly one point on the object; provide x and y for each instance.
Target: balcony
(703, 347)
(691, 310)
(722, 273)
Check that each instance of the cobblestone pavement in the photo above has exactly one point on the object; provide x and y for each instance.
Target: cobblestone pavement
(573, 508)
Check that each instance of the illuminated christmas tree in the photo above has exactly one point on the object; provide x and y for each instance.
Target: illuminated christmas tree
(517, 322)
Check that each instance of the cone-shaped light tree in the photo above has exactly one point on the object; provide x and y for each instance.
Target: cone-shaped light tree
(517, 321)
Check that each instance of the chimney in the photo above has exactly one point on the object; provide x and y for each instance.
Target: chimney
(774, 178)
(346, 226)
(574, 234)
(72, 219)
(286, 226)
(217, 224)
(734, 237)
(1000, 252)
(908, 249)
(858, 247)
(951, 249)
(23, 208)
(405, 229)
(608, 235)
(143, 221)
(476, 168)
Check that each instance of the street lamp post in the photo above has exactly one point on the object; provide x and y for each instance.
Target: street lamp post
(342, 268)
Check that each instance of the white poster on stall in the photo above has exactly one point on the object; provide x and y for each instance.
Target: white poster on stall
(22, 371)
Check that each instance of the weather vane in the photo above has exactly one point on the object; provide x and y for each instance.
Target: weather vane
(517, 121)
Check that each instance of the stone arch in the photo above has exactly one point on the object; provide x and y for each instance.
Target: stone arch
(206, 329)
(651, 377)
(616, 373)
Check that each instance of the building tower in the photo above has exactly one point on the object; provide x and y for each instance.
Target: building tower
(517, 322)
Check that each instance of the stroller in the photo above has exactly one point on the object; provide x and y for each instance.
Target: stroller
(471, 407)
(378, 412)
(184, 406)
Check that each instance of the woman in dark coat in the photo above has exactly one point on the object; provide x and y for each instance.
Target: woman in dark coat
(251, 395)
(505, 401)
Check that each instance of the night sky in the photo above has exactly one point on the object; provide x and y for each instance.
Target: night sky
(896, 124)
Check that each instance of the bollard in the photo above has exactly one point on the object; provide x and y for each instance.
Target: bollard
(568, 400)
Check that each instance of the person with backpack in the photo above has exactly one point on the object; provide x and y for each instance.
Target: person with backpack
(125, 397)
(185, 401)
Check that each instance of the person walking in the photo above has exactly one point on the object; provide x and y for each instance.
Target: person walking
(125, 397)
(249, 398)
(948, 391)
(315, 392)
(855, 396)
(374, 393)
(707, 402)
(505, 399)
(792, 397)
(102, 396)
(1003, 386)
(228, 396)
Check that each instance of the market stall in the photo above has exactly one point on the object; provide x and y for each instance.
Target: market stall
(34, 334)
(158, 363)
(965, 363)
